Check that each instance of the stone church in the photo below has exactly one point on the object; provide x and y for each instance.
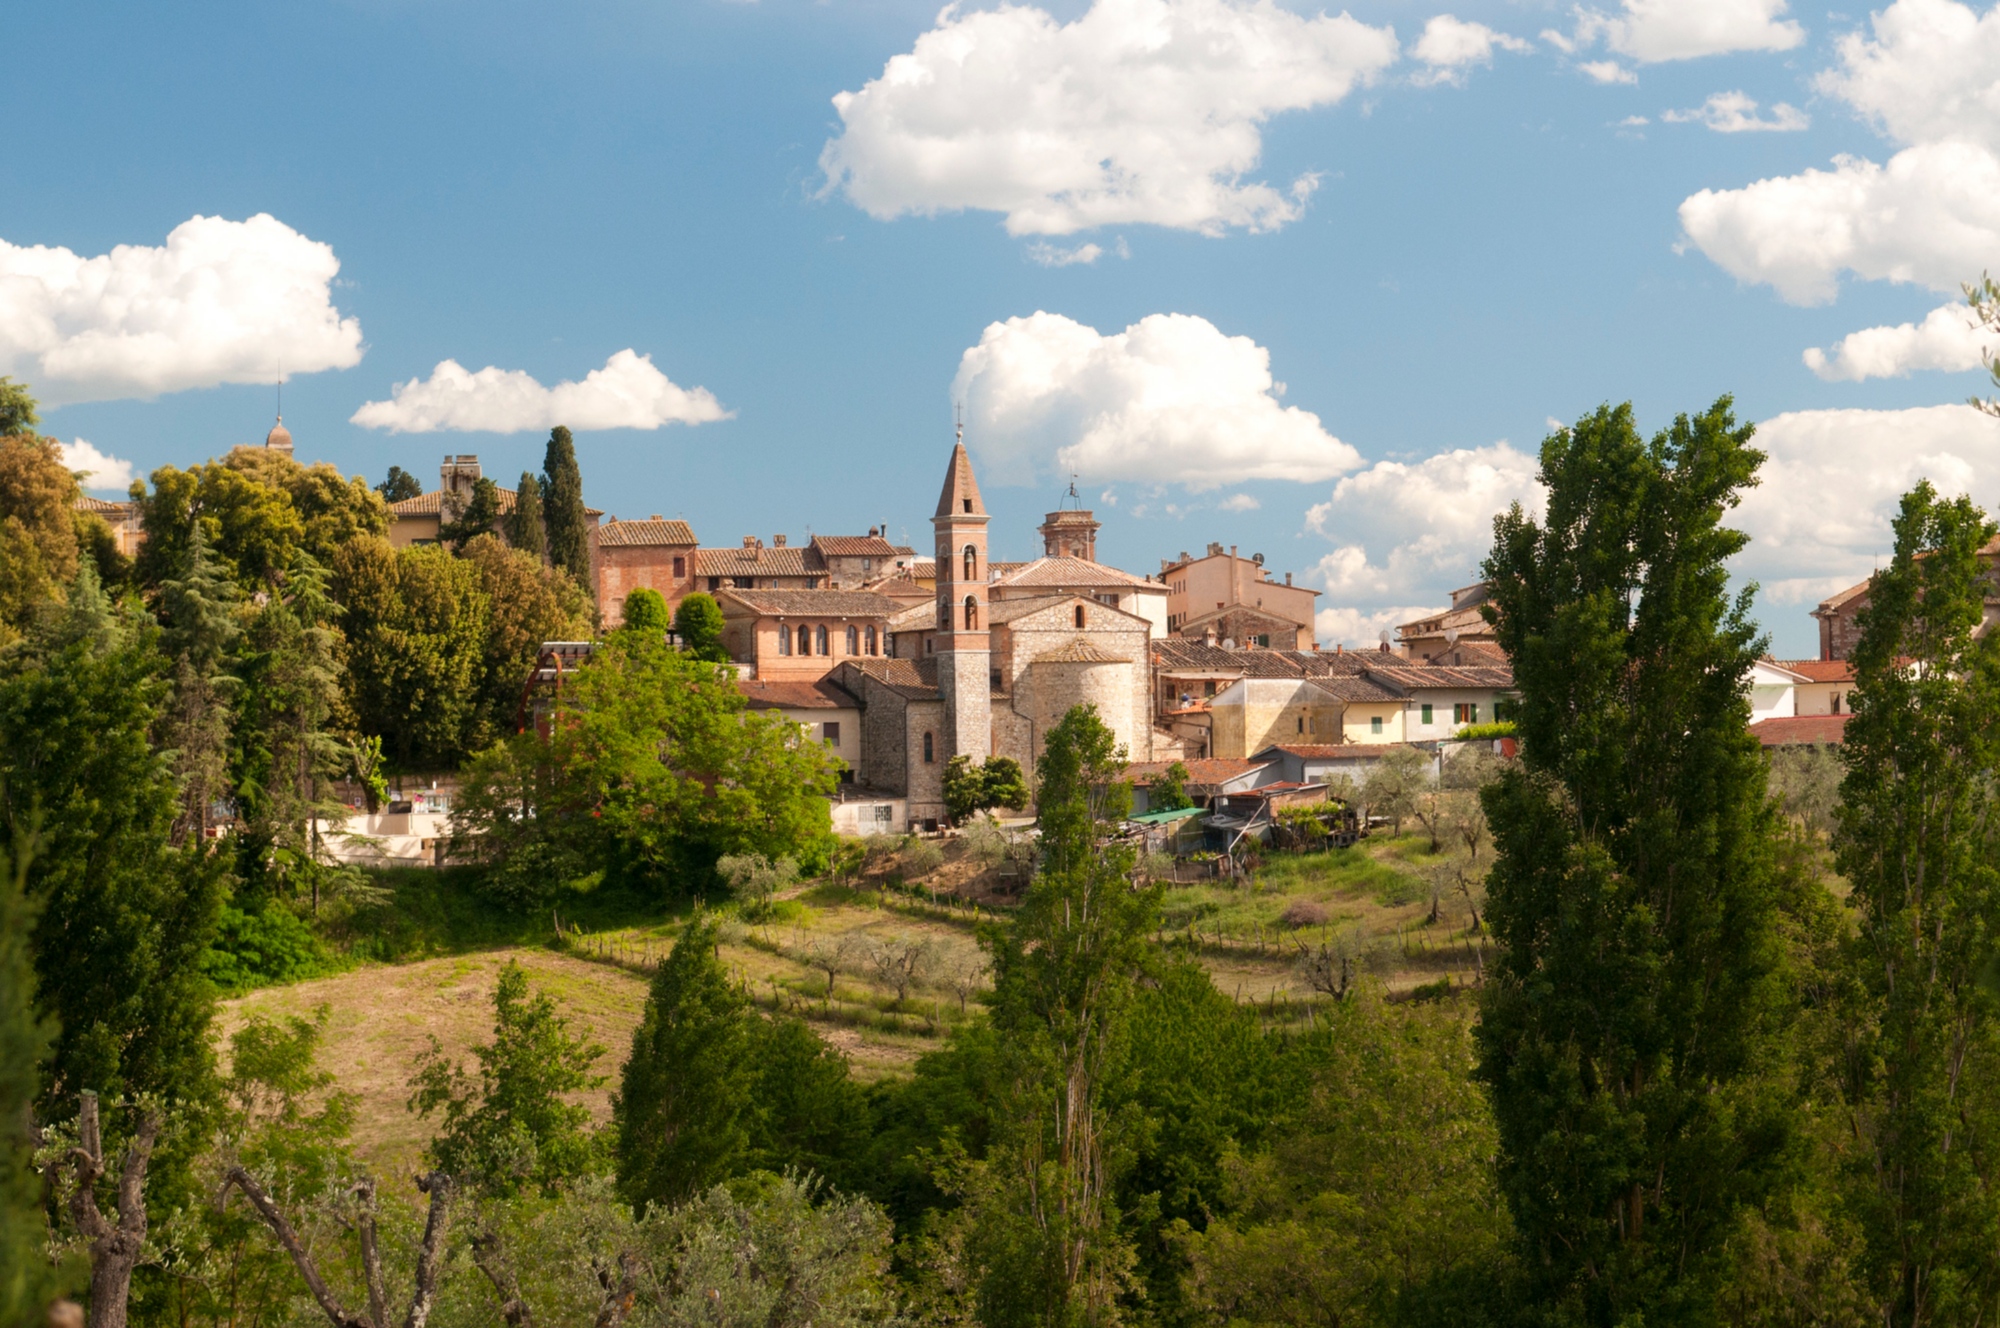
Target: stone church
(1003, 654)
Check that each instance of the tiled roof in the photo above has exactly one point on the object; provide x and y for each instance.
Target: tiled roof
(1193, 626)
(900, 585)
(912, 678)
(1079, 651)
(794, 695)
(1334, 751)
(617, 534)
(1068, 572)
(1472, 653)
(1820, 670)
(915, 618)
(1070, 516)
(1200, 657)
(1800, 730)
(1206, 771)
(1840, 599)
(432, 504)
(813, 603)
(1354, 687)
(854, 546)
(86, 503)
(790, 561)
(960, 487)
(1007, 610)
(1420, 677)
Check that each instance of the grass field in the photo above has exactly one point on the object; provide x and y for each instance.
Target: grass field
(881, 971)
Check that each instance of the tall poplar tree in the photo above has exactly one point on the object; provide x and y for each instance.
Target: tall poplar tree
(524, 523)
(1628, 1022)
(563, 517)
(1919, 839)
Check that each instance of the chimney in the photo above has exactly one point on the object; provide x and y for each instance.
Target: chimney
(1288, 578)
(1232, 550)
(654, 517)
(873, 532)
(777, 541)
(751, 542)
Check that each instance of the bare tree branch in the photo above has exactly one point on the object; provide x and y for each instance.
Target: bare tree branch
(492, 1261)
(371, 1253)
(339, 1316)
(429, 1265)
(619, 1294)
(114, 1249)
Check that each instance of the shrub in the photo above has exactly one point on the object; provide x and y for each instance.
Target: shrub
(753, 879)
(1303, 913)
(920, 857)
(263, 948)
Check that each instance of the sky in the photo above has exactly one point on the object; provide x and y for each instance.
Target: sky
(1314, 283)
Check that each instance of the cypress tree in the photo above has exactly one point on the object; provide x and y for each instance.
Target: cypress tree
(199, 610)
(568, 529)
(524, 524)
(1630, 1024)
(481, 514)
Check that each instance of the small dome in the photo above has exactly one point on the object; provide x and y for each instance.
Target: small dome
(279, 436)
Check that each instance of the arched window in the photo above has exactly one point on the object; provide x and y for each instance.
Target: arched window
(930, 752)
(784, 639)
(805, 639)
(971, 563)
(871, 640)
(1079, 616)
(971, 613)
(819, 639)
(853, 640)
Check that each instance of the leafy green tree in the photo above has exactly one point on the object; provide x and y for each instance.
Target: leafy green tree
(1916, 840)
(418, 626)
(27, 1282)
(332, 508)
(528, 603)
(399, 485)
(563, 516)
(1393, 786)
(251, 527)
(645, 610)
(1636, 1002)
(38, 546)
(1169, 792)
(480, 517)
(200, 611)
(124, 917)
(698, 623)
(517, 1124)
(683, 1113)
(995, 782)
(524, 523)
(17, 408)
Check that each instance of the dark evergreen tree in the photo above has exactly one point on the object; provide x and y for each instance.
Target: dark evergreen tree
(1630, 1024)
(398, 485)
(125, 918)
(683, 1111)
(524, 523)
(1917, 841)
(698, 623)
(27, 1282)
(563, 516)
(199, 609)
(481, 515)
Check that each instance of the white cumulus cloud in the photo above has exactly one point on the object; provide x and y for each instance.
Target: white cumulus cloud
(1139, 111)
(1930, 71)
(1363, 628)
(1652, 31)
(1404, 530)
(627, 393)
(1239, 502)
(1608, 71)
(1453, 46)
(1054, 255)
(1930, 217)
(1736, 113)
(1170, 400)
(1949, 338)
(220, 302)
(98, 472)
(1831, 483)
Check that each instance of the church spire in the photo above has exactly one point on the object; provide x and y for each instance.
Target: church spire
(961, 491)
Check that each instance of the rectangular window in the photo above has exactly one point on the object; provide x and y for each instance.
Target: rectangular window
(1465, 712)
(830, 733)
(784, 639)
(1374, 723)
(680, 568)
(1426, 710)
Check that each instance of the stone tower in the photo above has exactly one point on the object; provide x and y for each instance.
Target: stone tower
(962, 651)
(1070, 533)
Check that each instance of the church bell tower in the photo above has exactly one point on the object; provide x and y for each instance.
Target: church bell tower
(963, 652)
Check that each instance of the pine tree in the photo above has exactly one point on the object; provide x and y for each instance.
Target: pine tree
(563, 515)
(1630, 1023)
(199, 609)
(684, 1113)
(524, 523)
(481, 515)
(398, 485)
(1915, 839)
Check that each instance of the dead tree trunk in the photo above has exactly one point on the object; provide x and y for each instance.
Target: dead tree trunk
(115, 1246)
(430, 1263)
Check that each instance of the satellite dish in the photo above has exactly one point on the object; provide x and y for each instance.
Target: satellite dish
(1257, 558)
(1229, 643)
(1451, 637)
(1385, 636)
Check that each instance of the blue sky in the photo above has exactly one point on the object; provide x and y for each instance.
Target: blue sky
(1489, 245)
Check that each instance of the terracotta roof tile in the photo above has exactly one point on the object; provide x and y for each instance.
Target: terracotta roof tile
(86, 503)
(795, 695)
(1068, 572)
(1820, 670)
(620, 534)
(1209, 770)
(1800, 730)
(1079, 651)
(432, 504)
(812, 603)
(790, 561)
(1420, 677)
(1334, 751)
(912, 678)
(915, 618)
(1355, 687)
(853, 546)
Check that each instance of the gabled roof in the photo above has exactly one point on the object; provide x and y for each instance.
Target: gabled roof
(1820, 670)
(810, 603)
(853, 546)
(795, 695)
(1012, 610)
(1430, 677)
(86, 503)
(914, 618)
(432, 504)
(1193, 626)
(915, 679)
(959, 487)
(1357, 687)
(1079, 651)
(1061, 572)
(654, 530)
(790, 561)
(1772, 666)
